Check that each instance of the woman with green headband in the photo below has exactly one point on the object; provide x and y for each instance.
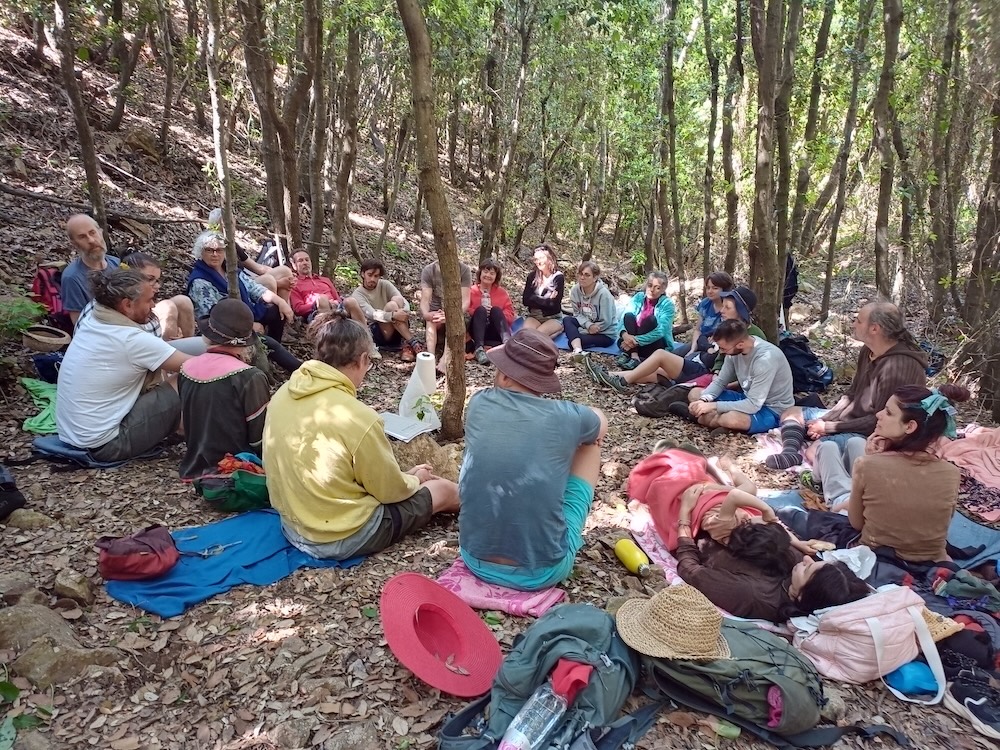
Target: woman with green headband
(898, 493)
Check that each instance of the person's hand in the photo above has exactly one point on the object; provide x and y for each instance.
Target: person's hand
(877, 444)
(286, 311)
(437, 317)
(768, 516)
(593, 328)
(322, 302)
(628, 342)
(818, 428)
(818, 545)
(258, 328)
(401, 316)
(700, 408)
(423, 472)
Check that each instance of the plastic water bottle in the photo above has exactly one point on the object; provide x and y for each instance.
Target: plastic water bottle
(535, 721)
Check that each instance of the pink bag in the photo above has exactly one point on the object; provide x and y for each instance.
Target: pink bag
(866, 639)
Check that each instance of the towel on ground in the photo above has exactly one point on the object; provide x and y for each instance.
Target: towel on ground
(978, 453)
(44, 396)
(562, 343)
(248, 548)
(481, 595)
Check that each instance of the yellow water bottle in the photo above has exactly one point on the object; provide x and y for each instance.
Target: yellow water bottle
(632, 557)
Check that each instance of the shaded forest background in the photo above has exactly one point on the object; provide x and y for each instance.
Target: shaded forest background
(659, 134)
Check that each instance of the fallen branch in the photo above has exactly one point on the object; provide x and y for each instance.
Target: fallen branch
(112, 215)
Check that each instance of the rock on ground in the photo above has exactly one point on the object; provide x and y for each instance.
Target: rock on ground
(18, 587)
(445, 459)
(74, 585)
(22, 518)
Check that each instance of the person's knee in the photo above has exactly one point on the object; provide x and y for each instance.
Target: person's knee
(282, 276)
(793, 412)
(268, 282)
(695, 395)
(732, 420)
(444, 495)
(391, 306)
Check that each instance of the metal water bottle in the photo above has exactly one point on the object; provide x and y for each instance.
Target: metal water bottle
(632, 557)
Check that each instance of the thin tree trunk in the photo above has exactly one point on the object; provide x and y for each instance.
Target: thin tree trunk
(168, 72)
(708, 185)
(197, 65)
(796, 243)
(128, 58)
(671, 113)
(858, 69)
(783, 127)
(317, 155)
(437, 207)
(734, 84)
(892, 20)
(213, 29)
(908, 188)
(399, 167)
(88, 153)
(348, 143)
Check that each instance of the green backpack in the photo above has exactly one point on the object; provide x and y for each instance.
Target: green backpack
(736, 689)
(580, 632)
(234, 493)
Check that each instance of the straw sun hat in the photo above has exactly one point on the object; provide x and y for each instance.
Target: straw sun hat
(679, 622)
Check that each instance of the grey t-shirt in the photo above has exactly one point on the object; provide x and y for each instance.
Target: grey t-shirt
(518, 452)
(74, 286)
(764, 376)
(431, 276)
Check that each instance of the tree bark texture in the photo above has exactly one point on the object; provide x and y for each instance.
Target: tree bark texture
(708, 182)
(783, 128)
(88, 153)
(437, 206)
(734, 85)
(892, 20)
(166, 32)
(348, 143)
(317, 155)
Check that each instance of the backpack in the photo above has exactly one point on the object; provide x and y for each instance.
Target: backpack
(808, 371)
(146, 554)
(739, 689)
(654, 400)
(791, 281)
(580, 632)
(271, 254)
(46, 291)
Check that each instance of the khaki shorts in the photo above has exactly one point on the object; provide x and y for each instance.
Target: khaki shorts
(153, 418)
(399, 520)
(537, 315)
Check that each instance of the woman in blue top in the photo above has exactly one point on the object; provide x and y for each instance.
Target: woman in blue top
(648, 324)
(708, 313)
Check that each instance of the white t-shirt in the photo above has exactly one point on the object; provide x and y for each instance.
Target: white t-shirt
(101, 378)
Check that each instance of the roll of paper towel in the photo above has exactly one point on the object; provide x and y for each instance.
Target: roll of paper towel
(423, 382)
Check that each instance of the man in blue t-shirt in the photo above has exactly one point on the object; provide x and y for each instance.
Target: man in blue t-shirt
(74, 287)
(529, 470)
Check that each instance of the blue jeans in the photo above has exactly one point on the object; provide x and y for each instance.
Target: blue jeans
(764, 420)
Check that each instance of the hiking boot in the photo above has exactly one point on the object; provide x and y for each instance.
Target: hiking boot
(615, 382)
(578, 357)
(417, 346)
(626, 362)
(680, 409)
(481, 357)
(809, 482)
(593, 370)
(977, 702)
(11, 497)
(375, 354)
(407, 354)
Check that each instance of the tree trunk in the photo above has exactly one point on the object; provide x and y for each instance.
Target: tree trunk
(213, 30)
(348, 143)
(908, 188)
(317, 156)
(765, 34)
(670, 106)
(437, 207)
(127, 58)
(858, 68)
(197, 65)
(796, 243)
(734, 84)
(937, 195)
(708, 185)
(166, 30)
(783, 127)
(88, 153)
(892, 20)
(489, 149)
(399, 168)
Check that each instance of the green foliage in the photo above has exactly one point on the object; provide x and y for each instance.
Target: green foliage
(395, 251)
(348, 273)
(16, 314)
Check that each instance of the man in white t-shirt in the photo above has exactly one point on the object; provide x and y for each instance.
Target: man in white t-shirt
(103, 403)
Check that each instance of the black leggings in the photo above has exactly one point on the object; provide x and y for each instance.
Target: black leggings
(587, 340)
(274, 324)
(648, 326)
(492, 324)
(280, 356)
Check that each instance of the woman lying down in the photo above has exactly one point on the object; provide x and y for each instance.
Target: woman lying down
(730, 545)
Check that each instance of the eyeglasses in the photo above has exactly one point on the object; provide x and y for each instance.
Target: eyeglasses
(152, 279)
(213, 250)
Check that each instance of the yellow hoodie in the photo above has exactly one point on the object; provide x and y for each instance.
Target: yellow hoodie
(328, 461)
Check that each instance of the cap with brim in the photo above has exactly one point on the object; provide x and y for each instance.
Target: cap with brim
(679, 622)
(530, 358)
(229, 323)
(437, 636)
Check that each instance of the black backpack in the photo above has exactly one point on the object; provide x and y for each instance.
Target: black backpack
(791, 281)
(809, 374)
(654, 400)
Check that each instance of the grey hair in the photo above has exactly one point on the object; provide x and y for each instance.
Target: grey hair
(339, 340)
(209, 235)
(659, 276)
(112, 286)
(887, 316)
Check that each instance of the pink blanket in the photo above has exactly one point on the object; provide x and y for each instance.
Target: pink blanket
(481, 595)
(978, 453)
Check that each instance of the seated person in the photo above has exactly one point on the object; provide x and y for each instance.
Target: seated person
(648, 324)
(313, 293)
(278, 279)
(112, 400)
(760, 575)
(737, 304)
(543, 293)
(432, 304)
(761, 370)
(491, 313)
(522, 519)
(208, 284)
(386, 310)
(594, 322)
(899, 494)
(889, 358)
(331, 473)
(708, 313)
(223, 397)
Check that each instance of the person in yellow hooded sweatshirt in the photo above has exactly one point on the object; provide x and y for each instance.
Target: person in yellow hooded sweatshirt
(331, 474)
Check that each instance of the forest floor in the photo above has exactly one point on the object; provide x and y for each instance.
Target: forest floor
(302, 663)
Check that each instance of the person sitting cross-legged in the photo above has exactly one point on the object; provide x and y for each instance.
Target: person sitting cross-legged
(386, 310)
(529, 470)
(889, 359)
(112, 400)
(223, 396)
(648, 324)
(331, 473)
(594, 321)
(543, 293)
(312, 294)
(762, 372)
(491, 312)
